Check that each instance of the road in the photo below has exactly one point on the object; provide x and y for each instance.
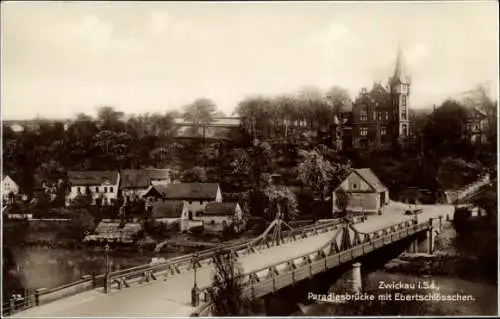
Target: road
(171, 296)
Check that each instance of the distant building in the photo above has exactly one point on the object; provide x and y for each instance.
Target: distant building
(10, 189)
(380, 116)
(217, 216)
(218, 128)
(99, 184)
(135, 182)
(364, 191)
(194, 195)
(170, 211)
(476, 125)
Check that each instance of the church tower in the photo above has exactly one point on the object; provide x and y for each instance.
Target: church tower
(399, 85)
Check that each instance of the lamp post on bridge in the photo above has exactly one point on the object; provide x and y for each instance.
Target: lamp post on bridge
(106, 273)
(195, 292)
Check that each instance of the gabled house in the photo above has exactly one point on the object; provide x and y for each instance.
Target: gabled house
(99, 184)
(10, 189)
(194, 195)
(364, 192)
(476, 125)
(217, 216)
(169, 211)
(135, 182)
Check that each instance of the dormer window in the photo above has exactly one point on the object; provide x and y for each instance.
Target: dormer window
(354, 186)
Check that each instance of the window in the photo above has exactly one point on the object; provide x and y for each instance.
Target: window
(374, 115)
(403, 113)
(363, 131)
(403, 101)
(354, 186)
(111, 189)
(78, 189)
(405, 130)
(97, 189)
(212, 222)
(380, 116)
(190, 202)
(386, 115)
(105, 189)
(363, 116)
(383, 131)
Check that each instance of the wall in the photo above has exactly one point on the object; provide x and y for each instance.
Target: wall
(218, 224)
(360, 202)
(195, 206)
(134, 192)
(108, 195)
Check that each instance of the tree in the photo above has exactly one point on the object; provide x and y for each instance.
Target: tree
(110, 119)
(338, 98)
(82, 223)
(281, 199)
(342, 201)
(200, 113)
(82, 201)
(196, 174)
(227, 293)
(315, 172)
(488, 201)
(445, 130)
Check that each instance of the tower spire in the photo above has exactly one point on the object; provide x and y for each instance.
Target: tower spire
(399, 74)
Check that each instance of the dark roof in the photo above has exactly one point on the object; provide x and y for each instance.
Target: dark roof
(369, 177)
(141, 178)
(92, 177)
(194, 191)
(220, 209)
(168, 209)
(473, 112)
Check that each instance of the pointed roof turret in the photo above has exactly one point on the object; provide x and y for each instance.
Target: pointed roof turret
(399, 73)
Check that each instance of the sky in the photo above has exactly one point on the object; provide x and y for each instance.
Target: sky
(62, 58)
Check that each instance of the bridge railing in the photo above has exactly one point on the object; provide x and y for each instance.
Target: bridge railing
(176, 265)
(273, 277)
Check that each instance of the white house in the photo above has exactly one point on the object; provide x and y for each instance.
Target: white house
(9, 187)
(135, 182)
(364, 192)
(217, 216)
(100, 184)
(194, 195)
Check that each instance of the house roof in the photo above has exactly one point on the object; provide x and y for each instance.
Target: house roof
(474, 111)
(141, 178)
(168, 209)
(370, 178)
(84, 178)
(220, 209)
(193, 191)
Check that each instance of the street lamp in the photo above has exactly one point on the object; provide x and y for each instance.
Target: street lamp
(106, 252)
(195, 294)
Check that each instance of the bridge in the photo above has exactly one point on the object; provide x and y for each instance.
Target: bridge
(269, 263)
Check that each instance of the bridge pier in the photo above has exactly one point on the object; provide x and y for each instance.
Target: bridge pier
(429, 238)
(357, 285)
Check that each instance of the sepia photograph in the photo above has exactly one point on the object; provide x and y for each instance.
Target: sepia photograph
(266, 158)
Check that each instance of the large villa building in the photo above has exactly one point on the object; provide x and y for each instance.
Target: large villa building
(380, 116)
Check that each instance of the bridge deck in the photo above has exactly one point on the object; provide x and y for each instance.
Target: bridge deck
(172, 297)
